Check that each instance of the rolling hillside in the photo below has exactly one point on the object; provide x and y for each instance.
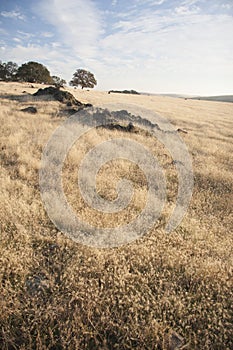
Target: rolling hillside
(162, 291)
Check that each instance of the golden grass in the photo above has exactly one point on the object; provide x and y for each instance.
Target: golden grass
(57, 294)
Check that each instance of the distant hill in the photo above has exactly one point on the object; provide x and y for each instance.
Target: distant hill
(167, 95)
(225, 98)
(221, 98)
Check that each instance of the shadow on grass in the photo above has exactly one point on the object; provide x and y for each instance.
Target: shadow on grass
(26, 97)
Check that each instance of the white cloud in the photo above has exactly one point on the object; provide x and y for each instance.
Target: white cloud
(25, 35)
(151, 2)
(186, 10)
(114, 2)
(170, 51)
(24, 53)
(17, 40)
(159, 2)
(13, 15)
(56, 44)
(77, 22)
(189, 2)
(227, 6)
(187, 7)
(47, 34)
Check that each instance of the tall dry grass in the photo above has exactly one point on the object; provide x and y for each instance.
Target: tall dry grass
(57, 294)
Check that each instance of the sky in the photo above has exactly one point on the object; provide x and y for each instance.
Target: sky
(160, 46)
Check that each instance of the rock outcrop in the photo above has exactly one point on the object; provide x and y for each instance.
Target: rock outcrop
(61, 96)
(29, 109)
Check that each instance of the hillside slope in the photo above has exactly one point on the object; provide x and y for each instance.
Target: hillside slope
(161, 290)
(226, 98)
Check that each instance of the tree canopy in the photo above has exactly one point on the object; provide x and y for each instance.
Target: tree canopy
(8, 71)
(34, 72)
(58, 82)
(83, 78)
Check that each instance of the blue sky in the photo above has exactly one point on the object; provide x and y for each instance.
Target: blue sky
(160, 46)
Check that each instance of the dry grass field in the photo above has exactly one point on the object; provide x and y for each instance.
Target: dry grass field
(163, 291)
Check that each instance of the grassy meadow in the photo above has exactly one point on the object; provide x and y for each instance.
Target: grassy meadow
(163, 291)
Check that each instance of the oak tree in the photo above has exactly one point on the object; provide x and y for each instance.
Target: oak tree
(58, 82)
(34, 72)
(8, 71)
(83, 78)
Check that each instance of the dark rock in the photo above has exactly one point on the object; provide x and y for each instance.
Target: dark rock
(128, 128)
(181, 130)
(75, 110)
(30, 109)
(69, 104)
(58, 95)
(71, 110)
